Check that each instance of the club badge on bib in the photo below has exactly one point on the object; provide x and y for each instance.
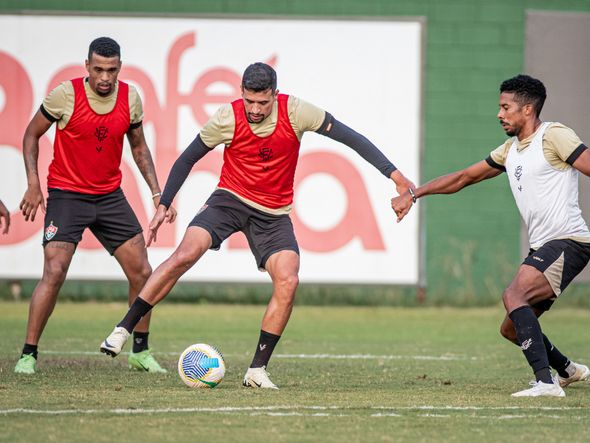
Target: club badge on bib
(50, 231)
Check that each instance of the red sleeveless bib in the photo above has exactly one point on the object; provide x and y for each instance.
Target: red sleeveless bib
(261, 169)
(87, 152)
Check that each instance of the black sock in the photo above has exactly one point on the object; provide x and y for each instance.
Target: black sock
(544, 375)
(140, 341)
(266, 344)
(557, 360)
(530, 337)
(138, 309)
(30, 350)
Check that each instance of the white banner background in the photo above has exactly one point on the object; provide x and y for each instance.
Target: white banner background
(365, 73)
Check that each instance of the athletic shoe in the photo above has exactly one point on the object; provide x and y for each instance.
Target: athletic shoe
(582, 373)
(113, 344)
(540, 389)
(26, 365)
(258, 378)
(145, 361)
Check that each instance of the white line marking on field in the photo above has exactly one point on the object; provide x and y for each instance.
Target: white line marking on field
(541, 416)
(327, 411)
(297, 414)
(483, 408)
(306, 356)
(78, 352)
(374, 357)
(261, 410)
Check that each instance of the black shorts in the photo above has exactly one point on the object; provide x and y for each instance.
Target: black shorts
(223, 214)
(559, 261)
(109, 217)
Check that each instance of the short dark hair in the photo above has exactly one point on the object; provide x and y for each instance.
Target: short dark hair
(527, 90)
(105, 47)
(259, 77)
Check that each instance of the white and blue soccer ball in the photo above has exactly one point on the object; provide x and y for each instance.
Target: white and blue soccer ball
(201, 366)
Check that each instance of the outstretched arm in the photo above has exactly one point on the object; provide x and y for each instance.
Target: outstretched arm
(338, 131)
(178, 174)
(33, 196)
(446, 184)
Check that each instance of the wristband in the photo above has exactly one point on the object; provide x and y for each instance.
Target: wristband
(414, 199)
(157, 194)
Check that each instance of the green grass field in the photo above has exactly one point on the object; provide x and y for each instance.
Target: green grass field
(346, 374)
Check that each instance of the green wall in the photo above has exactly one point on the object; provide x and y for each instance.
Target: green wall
(472, 238)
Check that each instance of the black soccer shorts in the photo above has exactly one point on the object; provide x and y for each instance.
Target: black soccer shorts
(223, 214)
(560, 261)
(109, 217)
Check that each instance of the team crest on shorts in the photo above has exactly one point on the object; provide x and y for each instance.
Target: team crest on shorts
(50, 231)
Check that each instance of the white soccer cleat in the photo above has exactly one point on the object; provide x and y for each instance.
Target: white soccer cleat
(540, 389)
(258, 378)
(582, 373)
(113, 344)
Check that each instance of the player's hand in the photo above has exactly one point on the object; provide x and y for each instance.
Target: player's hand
(170, 213)
(155, 224)
(402, 188)
(401, 205)
(30, 203)
(402, 184)
(4, 218)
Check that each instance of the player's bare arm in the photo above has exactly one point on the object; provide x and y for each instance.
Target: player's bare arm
(143, 159)
(446, 184)
(4, 218)
(33, 196)
(582, 163)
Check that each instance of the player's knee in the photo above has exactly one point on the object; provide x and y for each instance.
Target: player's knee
(288, 283)
(515, 298)
(55, 272)
(510, 297)
(143, 273)
(183, 260)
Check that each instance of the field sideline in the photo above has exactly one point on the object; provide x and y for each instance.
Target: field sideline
(346, 374)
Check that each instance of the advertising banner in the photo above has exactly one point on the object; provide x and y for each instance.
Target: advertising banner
(365, 73)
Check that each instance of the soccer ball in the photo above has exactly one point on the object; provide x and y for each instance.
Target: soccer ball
(201, 366)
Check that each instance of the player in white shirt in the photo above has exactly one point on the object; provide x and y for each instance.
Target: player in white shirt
(542, 161)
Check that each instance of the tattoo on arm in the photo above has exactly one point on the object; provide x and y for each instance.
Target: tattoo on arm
(31, 158)
(143, 158)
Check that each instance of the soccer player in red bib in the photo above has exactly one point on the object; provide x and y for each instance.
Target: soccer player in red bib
(261, 133)
(92, 115)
